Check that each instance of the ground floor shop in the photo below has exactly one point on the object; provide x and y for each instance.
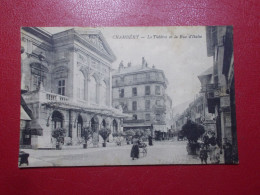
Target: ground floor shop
(73, 118)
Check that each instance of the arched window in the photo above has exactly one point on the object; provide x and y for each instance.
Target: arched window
(80, 85)
(57, 120)
(94, 124)
(103, 124)
(103, 93)
(115, 126)
(79, 126)
(93, 90)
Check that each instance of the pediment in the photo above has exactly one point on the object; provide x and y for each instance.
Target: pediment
(96, 39)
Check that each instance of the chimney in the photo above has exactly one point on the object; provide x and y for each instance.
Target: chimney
(153, 66)
(143, 62)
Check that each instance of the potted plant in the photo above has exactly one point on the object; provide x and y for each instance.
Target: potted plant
(87, 134)
(59, 135)
(115, 134)
(104, 133)
(139, 133)
(192, 131)
(128, 135)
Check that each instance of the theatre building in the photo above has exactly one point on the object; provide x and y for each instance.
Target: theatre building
(140, 92)
(66, 82)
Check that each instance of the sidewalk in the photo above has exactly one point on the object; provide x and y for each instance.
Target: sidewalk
(36, 162)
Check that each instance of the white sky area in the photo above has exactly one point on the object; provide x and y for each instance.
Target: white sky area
(182, 60)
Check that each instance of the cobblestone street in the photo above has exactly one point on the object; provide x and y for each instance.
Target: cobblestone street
(167, 152)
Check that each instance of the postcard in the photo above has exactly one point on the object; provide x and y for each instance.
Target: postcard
(127, 96)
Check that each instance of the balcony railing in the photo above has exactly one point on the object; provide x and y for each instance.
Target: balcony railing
(212, 86)
(138, 81)
(134, 121)
(44, 96)
(212, 91)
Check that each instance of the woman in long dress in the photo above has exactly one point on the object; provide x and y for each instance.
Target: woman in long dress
(214, 151)
(135, 148)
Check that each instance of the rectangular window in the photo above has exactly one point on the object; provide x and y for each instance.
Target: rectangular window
(122, 93)
(158, 103)
(134, 105)
(158, 117)
(134, 91)
(147, 117)
(147, 90)
(36, 81)
(147, 76)
(157, 90)
(29, 47)
(61, 87)
(147, 104)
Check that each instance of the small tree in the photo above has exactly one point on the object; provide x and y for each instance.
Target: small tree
(59, 135)
(104, 133)
(192, 131)
(115, 134)
(87, 134)
(139, 133)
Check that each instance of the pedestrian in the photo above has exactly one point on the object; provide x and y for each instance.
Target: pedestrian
(228, 151)
(150, 139)
(214, 151)
(203, 154)
(206, 140)
(135, 148)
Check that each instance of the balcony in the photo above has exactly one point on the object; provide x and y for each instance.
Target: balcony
(212, 91)
(135, 81)
(134, 121)
(161, 108)
(43, 96)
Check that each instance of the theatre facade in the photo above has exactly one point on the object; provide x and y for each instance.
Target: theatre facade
(65, 82)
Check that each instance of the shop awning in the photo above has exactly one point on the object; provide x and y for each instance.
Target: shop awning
(23, 115)
(35, 128)
(161, 128)
(136, 125)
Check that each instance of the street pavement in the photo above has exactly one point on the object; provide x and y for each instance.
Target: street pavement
(164, 152)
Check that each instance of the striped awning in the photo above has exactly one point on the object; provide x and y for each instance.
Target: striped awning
(161, 128)
(23, 115)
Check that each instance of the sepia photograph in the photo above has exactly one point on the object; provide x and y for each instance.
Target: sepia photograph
(112, 96)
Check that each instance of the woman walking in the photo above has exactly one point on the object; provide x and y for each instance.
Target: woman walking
(214, 151)
(135, 148)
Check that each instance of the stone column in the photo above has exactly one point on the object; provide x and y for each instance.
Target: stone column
(73, 74)
(86, 97)
(88, 90)
(98, 92)
(74, 128)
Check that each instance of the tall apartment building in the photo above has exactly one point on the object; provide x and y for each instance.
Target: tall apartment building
(140, 91)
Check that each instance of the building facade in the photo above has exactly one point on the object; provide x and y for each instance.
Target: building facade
(220, 90)
(197, 111)
(140, 92)
(66, 82)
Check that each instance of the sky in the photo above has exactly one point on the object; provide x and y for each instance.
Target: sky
(181, 58)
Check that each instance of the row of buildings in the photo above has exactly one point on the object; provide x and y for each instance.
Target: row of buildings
(67, 81)
(215, 106)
